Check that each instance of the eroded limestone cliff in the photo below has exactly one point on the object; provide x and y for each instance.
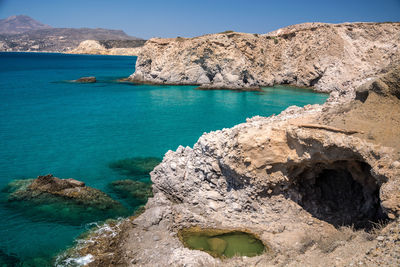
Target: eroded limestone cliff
(329, 57)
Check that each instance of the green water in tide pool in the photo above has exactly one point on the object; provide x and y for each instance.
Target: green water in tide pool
(225, 245)
(98, 133)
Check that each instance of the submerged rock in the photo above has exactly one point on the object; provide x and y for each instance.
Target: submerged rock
(7, 260)
(134, 192)
(66, 200)
(138, 166)
(90, 79)
(217, 244)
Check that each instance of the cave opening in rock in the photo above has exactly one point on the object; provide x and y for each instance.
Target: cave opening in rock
(343, 193)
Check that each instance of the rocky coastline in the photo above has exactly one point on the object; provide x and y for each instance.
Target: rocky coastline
(317, 185)
(328, 57)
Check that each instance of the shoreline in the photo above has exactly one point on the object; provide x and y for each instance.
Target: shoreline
(173, 208)
(204, 87)
(277, 177)
(63, 53)
(261, 174)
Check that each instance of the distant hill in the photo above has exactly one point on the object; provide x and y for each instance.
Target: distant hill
(20, 24)
(41, 37)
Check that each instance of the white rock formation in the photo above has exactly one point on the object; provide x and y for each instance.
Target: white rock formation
(93, 47)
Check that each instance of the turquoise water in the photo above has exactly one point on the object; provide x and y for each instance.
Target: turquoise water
(51, 125)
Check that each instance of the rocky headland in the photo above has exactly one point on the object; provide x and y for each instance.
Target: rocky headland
(328, 57)
(318, 185)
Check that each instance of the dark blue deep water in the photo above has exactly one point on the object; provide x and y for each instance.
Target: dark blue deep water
(51, 125)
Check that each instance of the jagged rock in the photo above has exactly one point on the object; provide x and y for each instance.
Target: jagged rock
(68, 189)
(49, 183)
(387, 85)
(329, 57)
(90, 79)
(62, 199)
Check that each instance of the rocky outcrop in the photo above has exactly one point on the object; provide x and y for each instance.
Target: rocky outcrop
(90, 79)
(315, 187)
(93, 47)
(69, 189)
(328, 57)
(66, 200)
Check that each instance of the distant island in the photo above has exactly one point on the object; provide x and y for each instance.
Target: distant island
(23, 34)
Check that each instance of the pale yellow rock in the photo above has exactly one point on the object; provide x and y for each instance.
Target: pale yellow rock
(93, 47)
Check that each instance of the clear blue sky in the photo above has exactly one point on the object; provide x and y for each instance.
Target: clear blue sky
(171, 18)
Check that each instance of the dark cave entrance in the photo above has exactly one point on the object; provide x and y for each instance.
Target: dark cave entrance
(342, 193)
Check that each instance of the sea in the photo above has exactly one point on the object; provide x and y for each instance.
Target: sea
(50, 124)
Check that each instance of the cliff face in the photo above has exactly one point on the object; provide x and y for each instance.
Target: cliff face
(327, 56)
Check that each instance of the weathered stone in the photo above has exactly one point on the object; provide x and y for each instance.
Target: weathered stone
(328, 57)
(65, 199)
(90, 79)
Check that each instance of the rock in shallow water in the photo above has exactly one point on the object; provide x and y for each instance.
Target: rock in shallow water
(137, 166)
(217, 245)
(90, 79)
(134, 192)
(8, 260)
(65, 200)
